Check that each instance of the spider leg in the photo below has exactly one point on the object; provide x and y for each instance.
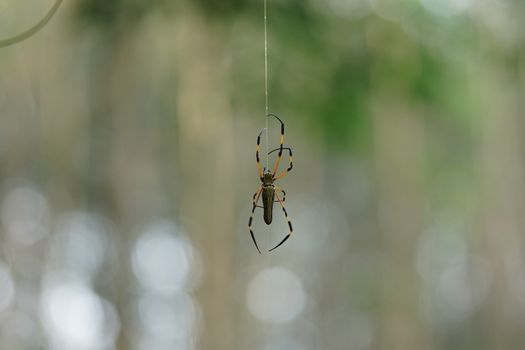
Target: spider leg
(255, 195)
(257, 150)
(290, 157)
(256, 198)
(277, 188)
(281, 142)
(289, 223)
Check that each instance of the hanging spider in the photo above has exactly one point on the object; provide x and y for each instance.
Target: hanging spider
(267, 188)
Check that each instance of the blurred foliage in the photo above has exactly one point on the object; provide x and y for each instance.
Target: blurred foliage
(110, 13)
(406, 122)
(339, 55)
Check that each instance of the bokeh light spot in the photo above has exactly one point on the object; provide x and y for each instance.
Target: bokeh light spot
(162, 259)
(284, 343)
(276, 295)
(80, 244)
(7, 287)
(456, 282)
(168, 318)
(25, 215)
(75, 317)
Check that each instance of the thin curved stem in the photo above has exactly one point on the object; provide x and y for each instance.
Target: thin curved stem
(33, 30)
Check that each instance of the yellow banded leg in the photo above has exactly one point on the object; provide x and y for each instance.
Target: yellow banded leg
(290, 159)
(257, 150)
(281, 142)
(289, 223)
(277, 188)
(257, 195)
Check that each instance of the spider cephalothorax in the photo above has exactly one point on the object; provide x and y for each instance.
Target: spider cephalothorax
(267, 188)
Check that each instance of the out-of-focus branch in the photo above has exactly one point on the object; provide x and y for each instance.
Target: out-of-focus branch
(33, 30)
(206, 162)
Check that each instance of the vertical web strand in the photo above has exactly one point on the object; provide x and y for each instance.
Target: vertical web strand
(266, 99)
(266, 80)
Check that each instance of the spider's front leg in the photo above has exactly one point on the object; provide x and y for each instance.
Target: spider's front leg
(290, 158)
(257, 158)
(281, 143)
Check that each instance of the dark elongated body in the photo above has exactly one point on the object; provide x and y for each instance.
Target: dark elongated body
(268, 196)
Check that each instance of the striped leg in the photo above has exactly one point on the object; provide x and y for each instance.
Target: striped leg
(289, 223)
(281, 142)
(277, 188)
(255, 195)
(256, 198)
(257, 150)
(290, 158)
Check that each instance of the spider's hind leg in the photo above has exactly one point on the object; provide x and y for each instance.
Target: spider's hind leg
(255, 200)
(257, 158)
(277, 188)
(289, 223)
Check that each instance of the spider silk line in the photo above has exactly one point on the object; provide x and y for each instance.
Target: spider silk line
(266, 80)
(266, 96)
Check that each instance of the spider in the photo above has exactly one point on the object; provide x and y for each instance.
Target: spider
(267, 188)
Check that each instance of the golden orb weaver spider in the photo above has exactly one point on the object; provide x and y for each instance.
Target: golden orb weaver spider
(267, 187)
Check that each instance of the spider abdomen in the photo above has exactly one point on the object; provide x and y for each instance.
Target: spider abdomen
(268, 195)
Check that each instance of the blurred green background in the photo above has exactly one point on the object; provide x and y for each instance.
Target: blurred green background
(127, 169)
